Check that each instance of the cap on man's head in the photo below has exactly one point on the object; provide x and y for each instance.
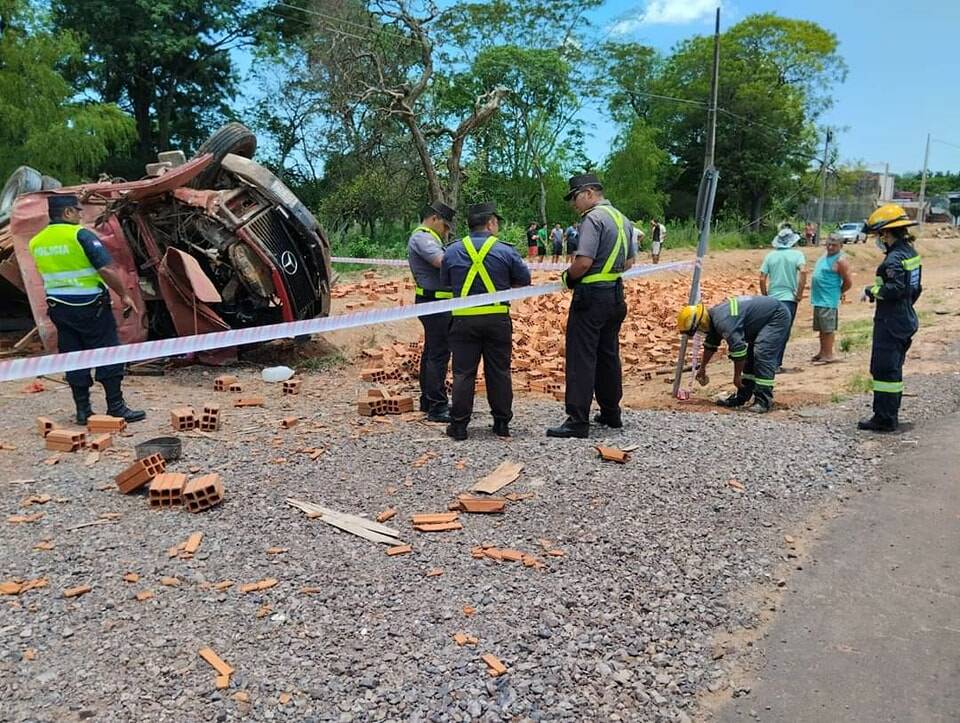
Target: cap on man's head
(59, 203)
(578, 183)
(439, 208)
(479, 212)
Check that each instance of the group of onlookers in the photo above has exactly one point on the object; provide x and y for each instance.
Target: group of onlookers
(563, 242)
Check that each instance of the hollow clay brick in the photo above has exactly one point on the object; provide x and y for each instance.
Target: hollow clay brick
(140, 472)
(166, 490)
(202, 493)
(183, 419)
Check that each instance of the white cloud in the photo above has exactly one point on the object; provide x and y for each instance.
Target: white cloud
(666, 12)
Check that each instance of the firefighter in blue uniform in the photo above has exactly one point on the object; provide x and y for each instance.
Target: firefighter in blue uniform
(895, 290)
(75, 268)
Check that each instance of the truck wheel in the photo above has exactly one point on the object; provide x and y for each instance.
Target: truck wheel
(233, 138)
(23, 180)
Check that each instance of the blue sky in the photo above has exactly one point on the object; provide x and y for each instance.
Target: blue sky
(903, 60)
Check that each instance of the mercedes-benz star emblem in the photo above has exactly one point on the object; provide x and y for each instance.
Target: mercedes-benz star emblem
(288, 262)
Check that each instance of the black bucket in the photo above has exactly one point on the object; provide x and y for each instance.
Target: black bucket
(167, 447)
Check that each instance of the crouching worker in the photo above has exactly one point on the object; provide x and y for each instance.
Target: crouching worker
(75, 268)
(755, 329)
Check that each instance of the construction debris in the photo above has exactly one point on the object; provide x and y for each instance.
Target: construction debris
(65, 440)
(494, 666)
(359, 526)
(387, 514)
(202, 493)
(45, 425)
(381, 402)
(166, 490)
(258, 586)
(399, 550)
(77, 591)
(224, 671)
(223, 382)
(249, 402)
(210, 418)
(503, 475)
(17, 586)
(140, 473)
(183, 419)
(462, 639)
(612, 454)
(479, 505)
(105, 423)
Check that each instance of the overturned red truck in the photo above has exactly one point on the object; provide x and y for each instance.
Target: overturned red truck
(213, 243)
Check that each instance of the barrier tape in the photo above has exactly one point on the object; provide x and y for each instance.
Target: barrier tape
(542, 265)
(55, 363)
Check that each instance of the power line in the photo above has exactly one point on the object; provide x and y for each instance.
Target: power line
(946, 143)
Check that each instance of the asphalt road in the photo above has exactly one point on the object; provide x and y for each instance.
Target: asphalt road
(873, 632)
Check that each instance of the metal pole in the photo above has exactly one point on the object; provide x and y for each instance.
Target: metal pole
(823, 186)
(923, 183)
(708, 188)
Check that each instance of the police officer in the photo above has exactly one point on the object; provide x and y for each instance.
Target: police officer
(895, 290)
(755, 329)
(425, 254)
(479, 264)
(604, 251)
(75, 268)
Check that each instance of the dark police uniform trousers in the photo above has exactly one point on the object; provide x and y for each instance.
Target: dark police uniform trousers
(472, 338)
(593, 351)
(897, 287)
(436, 356)
(79, 328)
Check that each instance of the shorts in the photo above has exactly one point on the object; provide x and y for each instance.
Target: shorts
(825, 319)
(557, 248)
(531, 251)
(571, 248)
(655, 248)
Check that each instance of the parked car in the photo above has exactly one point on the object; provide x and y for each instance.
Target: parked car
(851, 232)
(216, 242)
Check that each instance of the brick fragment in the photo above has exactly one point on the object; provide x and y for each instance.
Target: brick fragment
(249, 402)
(77, 591)
(45, 425)
(438, 527)
(183, 419)
(612, 454)
(168, 581)
(399, 550)
(222, 383)
(101, 442)
(193, 543)
(265, 584)
(236, 388)
(387, 514)
(222, 682)
(432, 518)
(216, 662)
(202, 493)
(288, 422)
(166, 489)
(143, 595)
(131, 577)
(494, 666)
(140, 473)
(478, 505)
(511, 555)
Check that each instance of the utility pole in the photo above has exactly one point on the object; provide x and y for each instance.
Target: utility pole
(923, 183)
(708, 189)
(823, 185)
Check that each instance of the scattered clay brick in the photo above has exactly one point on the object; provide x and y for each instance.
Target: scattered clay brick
(140, 473)
(399, 550)
(277, 550)
(202, 493)
(511, 555)
(143, 595)
(131, 577)
(433, 518)
(193, 543)
(64, 440)
(285, 698)
(235, 388)
(25, 519)
(438, 527)
(77, 591)
(241, 696)
(477, 505)
(210, 418)
(223, 585)
(612, 454)
(223, 382)
(249, 402)
(493, 553)
(16, 586)
(45, 425)
(312, 590)
(183, 419)
(264, 611)
(387, 514)
(288, 422)
(291, 386)
(434, 572)
(494, 666)
(45, 545)
(36, 500)
(556, 553)
(169, 582)
(468, 610)
(258, 586)
(166, 490)
(105, 423)
(222, 682)
(100, 443)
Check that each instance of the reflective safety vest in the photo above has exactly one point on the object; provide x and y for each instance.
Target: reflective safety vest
(428, 293)
(607, 273)
(62, 262)
(478, 269)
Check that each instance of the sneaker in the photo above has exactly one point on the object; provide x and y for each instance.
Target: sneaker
(875, 425)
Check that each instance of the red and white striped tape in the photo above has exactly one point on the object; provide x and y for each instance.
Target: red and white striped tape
(55, 363)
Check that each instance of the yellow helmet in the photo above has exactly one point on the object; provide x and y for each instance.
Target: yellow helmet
(889, 215)
(693, 318)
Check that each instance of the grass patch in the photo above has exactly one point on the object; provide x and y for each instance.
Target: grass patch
(322, 363)
(859, 384)
(856, 335)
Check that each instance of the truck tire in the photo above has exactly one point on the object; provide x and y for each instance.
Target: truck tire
(23, 180)
(233, 138)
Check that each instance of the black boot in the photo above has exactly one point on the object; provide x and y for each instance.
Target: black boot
(580, 430)
(612, 421)
(734, 400)
(501, 427)
(439, 413)
(116, 407)
(457, 431)
(873, 424)
(81, 398)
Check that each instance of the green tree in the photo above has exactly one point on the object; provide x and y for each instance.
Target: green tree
(634, 173)
(42, 124)
(167, 62)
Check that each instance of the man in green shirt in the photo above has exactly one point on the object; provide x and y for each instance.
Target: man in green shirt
(783, 275)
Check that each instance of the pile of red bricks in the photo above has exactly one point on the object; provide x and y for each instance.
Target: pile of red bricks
(374, 288)
(381, 401)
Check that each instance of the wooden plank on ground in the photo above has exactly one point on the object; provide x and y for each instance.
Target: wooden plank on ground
(503, 475)
(367, 529)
